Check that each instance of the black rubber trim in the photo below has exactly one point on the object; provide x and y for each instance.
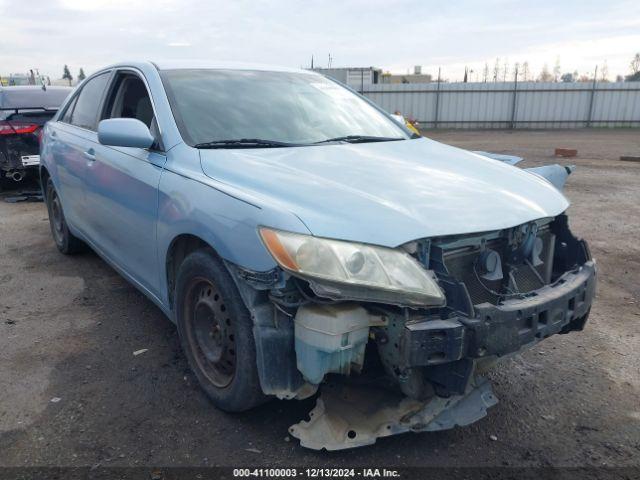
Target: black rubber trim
(502, 329)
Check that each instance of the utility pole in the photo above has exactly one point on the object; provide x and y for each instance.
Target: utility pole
(435, 120)
(515, 97)
(593, 95)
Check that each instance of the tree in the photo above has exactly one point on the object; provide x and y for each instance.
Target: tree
(545, 76)
(635, 64)
(496, 70)
(556, 70)
(567, 78)
(525, 71)
(81, 75)
(505, 70)
(604, 72)
(66, 75)
(635, 70)
(485, 72)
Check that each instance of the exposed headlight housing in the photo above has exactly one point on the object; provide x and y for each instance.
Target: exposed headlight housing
(337, 269)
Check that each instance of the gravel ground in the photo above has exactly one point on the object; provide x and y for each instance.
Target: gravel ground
(73, 394)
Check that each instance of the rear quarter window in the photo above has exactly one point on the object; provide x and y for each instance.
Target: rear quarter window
(66, 118)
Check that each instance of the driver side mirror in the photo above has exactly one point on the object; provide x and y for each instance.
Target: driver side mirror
(124, 132)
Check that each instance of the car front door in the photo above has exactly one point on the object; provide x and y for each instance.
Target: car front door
(122, 187)
(73, 143)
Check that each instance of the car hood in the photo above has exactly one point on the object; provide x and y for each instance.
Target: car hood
(387, 193)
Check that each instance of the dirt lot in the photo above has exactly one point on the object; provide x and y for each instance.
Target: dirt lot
(72, 392)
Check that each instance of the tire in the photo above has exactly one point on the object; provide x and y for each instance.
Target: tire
(66, 242)
(216, 333)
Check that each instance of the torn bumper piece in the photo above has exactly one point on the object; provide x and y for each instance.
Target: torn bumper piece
(447, 348)
(503, 329)
(347, 416)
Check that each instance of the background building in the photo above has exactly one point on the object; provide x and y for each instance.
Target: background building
(357, 78)
(416, 77)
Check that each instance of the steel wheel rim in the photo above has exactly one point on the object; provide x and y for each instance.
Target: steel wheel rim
(57, 218)
(210, 333)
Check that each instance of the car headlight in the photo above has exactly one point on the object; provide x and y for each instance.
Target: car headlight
(339, 269)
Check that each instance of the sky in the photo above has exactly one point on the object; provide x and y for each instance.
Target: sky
(394, 35)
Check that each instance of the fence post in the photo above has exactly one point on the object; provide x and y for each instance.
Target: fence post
(593, 94)
(435, 120)
(513, 106)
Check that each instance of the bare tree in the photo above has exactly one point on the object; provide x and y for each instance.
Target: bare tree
(635, 70)
(485, 72)
(516, 69)
(525, 71)
(545, 76)
(635, 64)
(556, 70)
(505, 70)
(604, 72)
(496, 70)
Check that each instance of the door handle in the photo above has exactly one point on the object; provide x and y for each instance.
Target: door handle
(90, 155)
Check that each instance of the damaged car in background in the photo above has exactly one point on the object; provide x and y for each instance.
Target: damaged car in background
(23, 112)
(306, 243)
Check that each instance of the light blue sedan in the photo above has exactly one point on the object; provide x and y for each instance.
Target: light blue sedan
(297, 234)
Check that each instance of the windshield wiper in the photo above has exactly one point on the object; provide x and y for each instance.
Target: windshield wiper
(245, 143)
(360, 139)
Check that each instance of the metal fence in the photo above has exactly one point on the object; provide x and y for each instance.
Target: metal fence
(512, 104)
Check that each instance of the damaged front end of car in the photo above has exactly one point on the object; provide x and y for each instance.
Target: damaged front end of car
(399, 337)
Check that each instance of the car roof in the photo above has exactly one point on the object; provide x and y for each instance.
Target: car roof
(31, 96)
(210, 65)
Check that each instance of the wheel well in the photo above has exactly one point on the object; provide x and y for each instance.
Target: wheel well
(44, 175)
(180, 247)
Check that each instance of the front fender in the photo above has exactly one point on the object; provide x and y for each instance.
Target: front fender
(191, 204)
(555, 174)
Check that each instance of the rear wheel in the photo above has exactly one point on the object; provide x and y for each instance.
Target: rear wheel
(216, 333)
(66, 242)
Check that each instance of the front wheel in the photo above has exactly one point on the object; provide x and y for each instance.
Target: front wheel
(216, 334)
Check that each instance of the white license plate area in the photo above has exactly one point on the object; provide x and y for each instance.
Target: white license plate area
(30, 160)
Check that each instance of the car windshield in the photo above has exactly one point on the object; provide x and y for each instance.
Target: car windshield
(247, 108)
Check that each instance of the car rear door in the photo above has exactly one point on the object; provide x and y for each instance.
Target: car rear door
(122, 186)
(73, 143)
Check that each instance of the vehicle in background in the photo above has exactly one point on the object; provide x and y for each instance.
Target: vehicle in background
(23, 112)
(412, 125)
(23, 79)
(298, 235)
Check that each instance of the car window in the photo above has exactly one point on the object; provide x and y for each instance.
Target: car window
(66, 118)
(130, 99)
(85, 111)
